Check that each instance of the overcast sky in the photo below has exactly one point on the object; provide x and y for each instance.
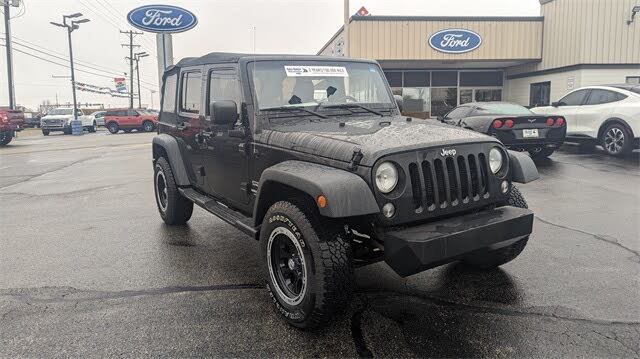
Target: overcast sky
(282, 26)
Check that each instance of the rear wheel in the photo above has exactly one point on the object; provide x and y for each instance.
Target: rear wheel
(93, 128)
(5, 137)
(173, 207)
(148, 126)
(308, 264)
(616, 140)
(113, 127)
(45, 132)
(541, 153)
(498, 257)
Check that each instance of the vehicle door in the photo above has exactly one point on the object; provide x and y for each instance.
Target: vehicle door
(568, 107)
(190, 124)
(227, 161)
(598, 106)
(121, 117)
(131, 120)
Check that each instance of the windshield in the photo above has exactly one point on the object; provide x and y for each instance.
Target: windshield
(311, 83)
(502, 109)
(60, 112)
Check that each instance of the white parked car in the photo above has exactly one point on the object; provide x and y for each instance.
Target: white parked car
(99, 117)
(608, 115)
(59, 119)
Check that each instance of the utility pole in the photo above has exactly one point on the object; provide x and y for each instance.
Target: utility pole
(345, 33)
(137, 58)
(130, 45)
(76, 126)
(7, 31)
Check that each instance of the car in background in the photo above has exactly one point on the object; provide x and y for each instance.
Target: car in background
(59, 119)
(515, 126)
(605, 115)
(11, 121)
(98, 116)
(130, 119)
(32, 120)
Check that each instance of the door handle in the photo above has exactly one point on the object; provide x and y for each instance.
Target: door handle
(183, 125)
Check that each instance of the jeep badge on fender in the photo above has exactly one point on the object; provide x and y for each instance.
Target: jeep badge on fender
(315, 168)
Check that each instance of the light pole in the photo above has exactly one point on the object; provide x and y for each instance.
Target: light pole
(137, 57)
(76, 126)
(7, 31)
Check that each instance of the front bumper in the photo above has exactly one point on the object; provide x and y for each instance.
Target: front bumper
(414, 249)
(66, 127)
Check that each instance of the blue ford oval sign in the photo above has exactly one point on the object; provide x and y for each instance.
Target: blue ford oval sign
(455, 41)
(162, 18)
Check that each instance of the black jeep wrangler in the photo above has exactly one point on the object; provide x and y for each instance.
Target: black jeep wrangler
(311, 156)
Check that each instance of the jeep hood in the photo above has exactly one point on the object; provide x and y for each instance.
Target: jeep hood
(374, 137)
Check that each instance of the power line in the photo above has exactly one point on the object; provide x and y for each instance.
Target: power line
(93, 66)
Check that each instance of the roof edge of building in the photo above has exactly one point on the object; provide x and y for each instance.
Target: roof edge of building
(447, 18)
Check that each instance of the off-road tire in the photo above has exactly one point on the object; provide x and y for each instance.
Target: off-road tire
(498, 257)
(148, 126)
(5, 137)
(625, 142)
(113, 128)
(177, 209)
(543, 153)
(45, 132)
(328, 260)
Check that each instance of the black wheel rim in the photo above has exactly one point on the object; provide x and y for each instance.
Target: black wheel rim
(162, 194)
(287, 265)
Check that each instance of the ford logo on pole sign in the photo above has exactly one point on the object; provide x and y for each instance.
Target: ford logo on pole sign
(455, 41)
(162, 18)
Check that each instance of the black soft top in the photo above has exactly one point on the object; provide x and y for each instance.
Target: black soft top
(228, 57)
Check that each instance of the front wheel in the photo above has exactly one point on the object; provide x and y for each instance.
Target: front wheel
(308, 264)
(616, 140)
(498, 257)
(45, 132)
(173, 207)
(93, 128)
(5, 137)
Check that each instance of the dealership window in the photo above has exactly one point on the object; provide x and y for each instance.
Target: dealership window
(395, 81)
(443, 100)
(539, 94)
(416, 93)
(444, 78)
(191, 92)
(634, 80)
(481, 78)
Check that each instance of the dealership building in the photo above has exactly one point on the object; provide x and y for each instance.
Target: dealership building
(437, 63)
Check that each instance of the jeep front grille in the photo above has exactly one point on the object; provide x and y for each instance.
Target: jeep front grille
(442, 183)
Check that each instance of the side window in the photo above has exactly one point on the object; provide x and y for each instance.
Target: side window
(598, 97)
(458, 112)
(224, 85)
(575, 98)
(191, 93)
(132, 113)
(109, 113)
(121, 113)
(169, 94)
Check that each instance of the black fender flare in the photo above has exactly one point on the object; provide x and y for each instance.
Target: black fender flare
(168, 145)
(523, 169)
(347, 194)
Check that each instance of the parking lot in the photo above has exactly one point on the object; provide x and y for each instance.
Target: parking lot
(87, 267)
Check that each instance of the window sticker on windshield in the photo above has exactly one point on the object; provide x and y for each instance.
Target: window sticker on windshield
(308, 71)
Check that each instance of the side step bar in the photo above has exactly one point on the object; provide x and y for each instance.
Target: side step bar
(236, 219)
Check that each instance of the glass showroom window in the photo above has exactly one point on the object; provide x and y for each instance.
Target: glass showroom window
(416, 94)
(395, 81)
(444, 92)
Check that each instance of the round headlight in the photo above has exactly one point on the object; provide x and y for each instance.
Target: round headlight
(386, 177)
(495, 160)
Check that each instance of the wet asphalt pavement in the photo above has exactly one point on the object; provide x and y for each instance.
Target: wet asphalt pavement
(87, 268)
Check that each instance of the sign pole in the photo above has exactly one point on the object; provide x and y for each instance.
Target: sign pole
(7, 31)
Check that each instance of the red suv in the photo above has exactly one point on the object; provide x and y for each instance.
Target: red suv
(11, 121)
(127, 120)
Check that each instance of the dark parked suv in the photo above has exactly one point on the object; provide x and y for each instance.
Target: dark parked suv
(310, 156)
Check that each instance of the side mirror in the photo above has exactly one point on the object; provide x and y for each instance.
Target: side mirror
(556, 104)
(223, 112)
(441, 118)
(399, 101)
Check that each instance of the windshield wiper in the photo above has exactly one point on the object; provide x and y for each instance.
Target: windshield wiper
(289, 108)
(351, 105)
